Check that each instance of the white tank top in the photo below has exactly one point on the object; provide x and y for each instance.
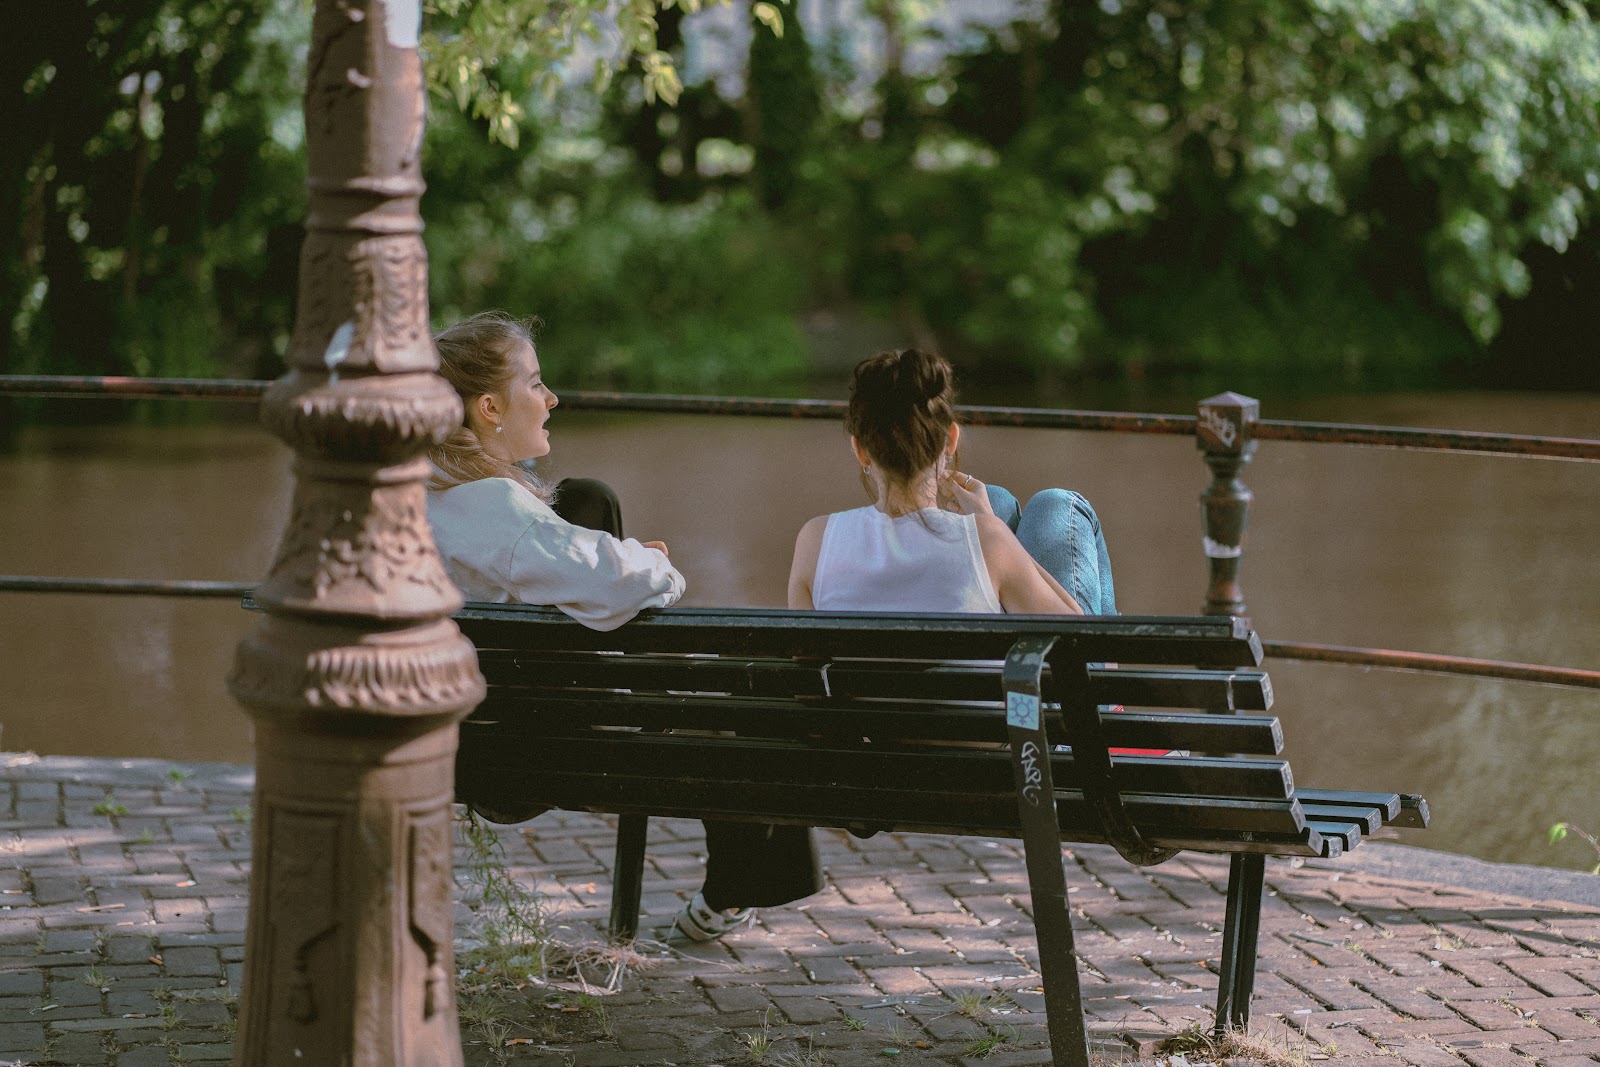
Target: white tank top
(929, 560)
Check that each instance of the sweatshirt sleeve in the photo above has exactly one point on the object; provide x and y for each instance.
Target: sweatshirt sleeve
(600, 580)
(499, 542)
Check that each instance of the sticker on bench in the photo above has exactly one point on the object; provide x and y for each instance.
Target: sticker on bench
(1022, 710)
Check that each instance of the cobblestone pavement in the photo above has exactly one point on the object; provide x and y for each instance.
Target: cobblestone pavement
(123, 920)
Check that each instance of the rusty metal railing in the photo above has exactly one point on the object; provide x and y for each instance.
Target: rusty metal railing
(1227, 429)
(1471, 441)
(21, 583)
(1432, 663)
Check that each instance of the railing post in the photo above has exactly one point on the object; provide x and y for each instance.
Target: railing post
(1224, 435)
(357, 676)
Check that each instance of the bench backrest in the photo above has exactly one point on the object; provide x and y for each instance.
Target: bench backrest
(889, 723)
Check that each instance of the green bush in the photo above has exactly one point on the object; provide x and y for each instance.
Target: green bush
(634, 294)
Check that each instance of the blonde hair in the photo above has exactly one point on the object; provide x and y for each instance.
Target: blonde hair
(475, 358)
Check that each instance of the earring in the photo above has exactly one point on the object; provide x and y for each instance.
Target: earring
(499, 429)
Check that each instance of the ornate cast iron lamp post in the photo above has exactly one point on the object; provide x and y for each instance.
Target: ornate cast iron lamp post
(357, 676)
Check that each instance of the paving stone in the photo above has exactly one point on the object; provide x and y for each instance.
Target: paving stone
(122, 1001)
(73, 992)
(204, 1013)
(21, 1037)
(1493, 1057)
(147, 1056)
(1566, 1025)
(14, 983)
(83, 1050)
(1425, 1054)
(737, 998)
(69, 941)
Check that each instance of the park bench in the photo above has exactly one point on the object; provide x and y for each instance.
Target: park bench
(869, 723)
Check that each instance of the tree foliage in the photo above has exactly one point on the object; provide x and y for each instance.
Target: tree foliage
(150, 185)
(1373, 188)
(1453, 133)
(485, 54)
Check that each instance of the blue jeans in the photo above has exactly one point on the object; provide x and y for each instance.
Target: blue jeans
(1062, 532)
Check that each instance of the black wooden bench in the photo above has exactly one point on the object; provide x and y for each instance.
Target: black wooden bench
(847, 720)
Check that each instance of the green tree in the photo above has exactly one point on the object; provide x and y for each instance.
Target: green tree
(784, 102)
(1420, 150)
(146, 168)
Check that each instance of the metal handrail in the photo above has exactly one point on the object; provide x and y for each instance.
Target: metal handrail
(1433, 663)
(30, 583)
(1470, 441)
(1386, 659)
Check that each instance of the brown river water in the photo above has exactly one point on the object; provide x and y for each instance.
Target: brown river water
(1469, 555)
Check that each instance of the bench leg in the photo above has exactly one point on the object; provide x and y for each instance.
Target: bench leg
(1041, 844)
(1058, 961)
(627, 876)
(1247, 873)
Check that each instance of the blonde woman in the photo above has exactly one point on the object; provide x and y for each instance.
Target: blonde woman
(506, 537)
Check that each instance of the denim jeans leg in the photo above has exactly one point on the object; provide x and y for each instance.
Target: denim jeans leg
(1004, 505)
(1060, 529)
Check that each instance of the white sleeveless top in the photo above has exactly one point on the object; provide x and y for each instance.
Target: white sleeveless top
(929, 560)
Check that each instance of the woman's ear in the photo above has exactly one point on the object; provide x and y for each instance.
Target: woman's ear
(483, 413)
(955, 440)
(862, 459)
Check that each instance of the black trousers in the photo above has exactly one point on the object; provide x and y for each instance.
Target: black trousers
(748, 865)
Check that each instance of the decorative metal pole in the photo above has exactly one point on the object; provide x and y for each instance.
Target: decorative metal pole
(1224, 436)
(357, 676)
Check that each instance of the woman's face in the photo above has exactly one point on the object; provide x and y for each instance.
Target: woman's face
(522, 411)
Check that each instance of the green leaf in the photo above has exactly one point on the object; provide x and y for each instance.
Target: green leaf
(1558, 832)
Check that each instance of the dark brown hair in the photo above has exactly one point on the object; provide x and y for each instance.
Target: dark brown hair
(475, 358)
(902, 405)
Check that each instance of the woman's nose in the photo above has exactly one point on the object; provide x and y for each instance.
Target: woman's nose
(554, 400)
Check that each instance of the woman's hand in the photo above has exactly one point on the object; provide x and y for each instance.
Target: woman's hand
(659, 546)
(968, 496)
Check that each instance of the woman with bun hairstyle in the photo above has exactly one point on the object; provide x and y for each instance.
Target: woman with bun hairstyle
(935, 538)
(507, 537)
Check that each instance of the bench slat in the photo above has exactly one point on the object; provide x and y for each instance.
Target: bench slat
(908, 809)
(1348, 832)
(1387, 803)
(546, 712)
(1217, 641)
(715, 758)
(1399, 809)
(1368, 818)
(1242, 690)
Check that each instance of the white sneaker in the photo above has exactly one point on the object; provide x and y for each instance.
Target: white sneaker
(700, 922)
